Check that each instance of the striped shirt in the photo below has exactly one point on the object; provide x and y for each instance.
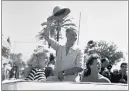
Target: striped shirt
(36, 74)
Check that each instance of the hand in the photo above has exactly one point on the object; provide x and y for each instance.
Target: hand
(60, 76)
(50, 19)
(122, 80)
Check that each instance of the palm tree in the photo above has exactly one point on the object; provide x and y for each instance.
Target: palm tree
(56, 26)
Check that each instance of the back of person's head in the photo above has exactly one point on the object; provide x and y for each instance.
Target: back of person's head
(89, 62)
(105, 62)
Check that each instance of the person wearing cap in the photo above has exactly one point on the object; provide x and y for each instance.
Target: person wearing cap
(69, 58)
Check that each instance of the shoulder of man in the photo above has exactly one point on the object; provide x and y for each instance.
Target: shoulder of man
(77, 48)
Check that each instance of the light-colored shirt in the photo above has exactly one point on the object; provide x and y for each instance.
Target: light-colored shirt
(74, 58)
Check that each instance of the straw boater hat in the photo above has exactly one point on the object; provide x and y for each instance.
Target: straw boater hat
(59, 13)
(62, 12)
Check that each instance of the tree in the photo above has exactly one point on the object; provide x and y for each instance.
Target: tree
(55, 31)
(5, 52)
(5, 46)
(107, 50)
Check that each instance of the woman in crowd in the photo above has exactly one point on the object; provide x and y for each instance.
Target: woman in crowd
(93, 67)
(37, 66)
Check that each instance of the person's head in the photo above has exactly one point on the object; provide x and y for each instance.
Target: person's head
(40, 59)
(123, 67)
(91, 44)
(71, 35)
(93, 65)
(115, 71)
(105, 62)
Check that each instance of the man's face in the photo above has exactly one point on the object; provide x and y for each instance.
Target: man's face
(71, 37)
(124, 68)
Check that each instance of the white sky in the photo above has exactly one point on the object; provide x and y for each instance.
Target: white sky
(100, 20)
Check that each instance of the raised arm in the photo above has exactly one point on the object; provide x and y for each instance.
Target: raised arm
(47, 37)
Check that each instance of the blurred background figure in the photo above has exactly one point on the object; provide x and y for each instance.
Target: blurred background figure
(90, 47)
(4, 71)
(13, 72)
(114, 76)
(120, 76)
(123, 73)
(106, 68)
(49, 71)
(91, 44)
(105, 63)
(6, 67)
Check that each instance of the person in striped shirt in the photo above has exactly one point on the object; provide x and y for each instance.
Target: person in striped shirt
(37, 64)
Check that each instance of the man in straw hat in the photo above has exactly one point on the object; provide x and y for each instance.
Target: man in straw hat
(69, 59)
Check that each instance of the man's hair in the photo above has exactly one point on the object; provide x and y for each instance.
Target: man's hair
(104, 59)
(73, 29)
(123, 64)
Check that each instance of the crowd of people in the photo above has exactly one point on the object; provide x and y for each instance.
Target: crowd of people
(70, 62)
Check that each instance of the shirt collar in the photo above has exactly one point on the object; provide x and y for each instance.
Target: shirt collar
(74, 47)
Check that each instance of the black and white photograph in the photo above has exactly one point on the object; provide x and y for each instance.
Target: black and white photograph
(64, 45)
